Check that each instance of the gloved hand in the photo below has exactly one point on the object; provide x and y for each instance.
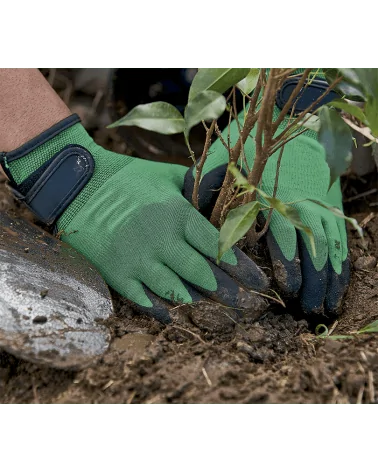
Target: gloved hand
(133, 223)
(319, 281)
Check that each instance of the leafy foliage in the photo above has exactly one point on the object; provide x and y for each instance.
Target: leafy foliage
(340, 214)
(370, 328)
(249, 82)
(161, 117)
(353, 110)
(366, 80)
(219, 80)
(344, 88)
(336, 138)
(237, 224)
(288, 211)
(207, 105)
(322, 331)
(207, 102)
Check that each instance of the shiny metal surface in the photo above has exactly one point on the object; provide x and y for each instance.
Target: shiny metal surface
(52, 301)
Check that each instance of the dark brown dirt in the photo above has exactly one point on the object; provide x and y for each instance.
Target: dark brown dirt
(211, 360)
(276, 360)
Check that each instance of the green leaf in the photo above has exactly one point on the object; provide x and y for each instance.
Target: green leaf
(219, 80)
(287, 211)
(249, 82)
(348, 108)
(291, 214)
(340, 214)
(321, 330)
(343, 88)
(311, 122)
(336, 138)
(368, 78)
(371, 110)
(237, 224)
(207, 105)
(240, 180)
(350, 75)
(370, 328)
(161, 117)
(340, 336)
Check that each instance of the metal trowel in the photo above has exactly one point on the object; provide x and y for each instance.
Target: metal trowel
(53, 302)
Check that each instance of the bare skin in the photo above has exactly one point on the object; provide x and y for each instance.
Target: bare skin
(28, 106)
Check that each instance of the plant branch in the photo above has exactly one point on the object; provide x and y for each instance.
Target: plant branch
(278, 167)
(193, 157)
(264, 134)
(219, 134)
(293, 136)
(201, 162)
(249, 123)
(236, 117)
(287, 105)
(308, 110)
(286, 73)
(264, 137)
(267, 222)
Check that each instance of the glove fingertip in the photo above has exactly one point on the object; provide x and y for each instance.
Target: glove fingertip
(247, 272)
(337, 287)
(287, 273)
(159, 309)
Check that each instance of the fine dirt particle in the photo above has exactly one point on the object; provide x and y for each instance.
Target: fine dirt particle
(211, 319)
(280, 273)
(365, 262)
(136, 343)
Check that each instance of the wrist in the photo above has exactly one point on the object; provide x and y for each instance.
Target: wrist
(23, 161)
(56, 172)
(50, 170)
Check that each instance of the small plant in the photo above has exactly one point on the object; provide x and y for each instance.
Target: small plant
(322, 331)
(214, 91)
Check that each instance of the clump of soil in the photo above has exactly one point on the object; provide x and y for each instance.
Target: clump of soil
(211, 359)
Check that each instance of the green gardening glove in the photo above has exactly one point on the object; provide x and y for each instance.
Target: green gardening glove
(133, 223)
(319, 281)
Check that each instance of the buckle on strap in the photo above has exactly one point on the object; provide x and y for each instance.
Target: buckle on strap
(60, 182)
(307, 95)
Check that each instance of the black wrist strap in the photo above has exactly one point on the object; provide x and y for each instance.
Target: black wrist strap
(307, 96)
(49, 190)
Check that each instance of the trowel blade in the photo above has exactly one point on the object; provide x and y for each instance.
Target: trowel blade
(52, 300)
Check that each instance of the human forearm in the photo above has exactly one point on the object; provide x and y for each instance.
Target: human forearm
(28, 106)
